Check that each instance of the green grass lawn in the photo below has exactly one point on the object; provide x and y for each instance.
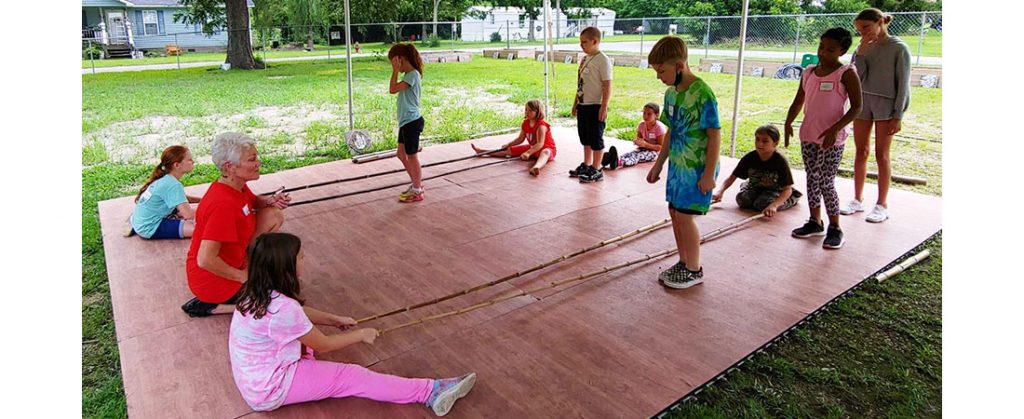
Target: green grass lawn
(460, 100)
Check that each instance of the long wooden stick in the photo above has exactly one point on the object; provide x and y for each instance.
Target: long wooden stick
(902, 266)
(580, 278)
(509, 277)
(403, 183)
(387, 172)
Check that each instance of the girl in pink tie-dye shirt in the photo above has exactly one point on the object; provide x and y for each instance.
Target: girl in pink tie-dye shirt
(273, 338)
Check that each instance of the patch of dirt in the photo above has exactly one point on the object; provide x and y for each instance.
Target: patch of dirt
(142, 140)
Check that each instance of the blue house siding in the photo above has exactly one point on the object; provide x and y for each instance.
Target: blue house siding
(92, 16)
(189, 36)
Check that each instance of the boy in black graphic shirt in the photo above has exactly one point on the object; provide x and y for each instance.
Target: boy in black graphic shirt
(769, 185)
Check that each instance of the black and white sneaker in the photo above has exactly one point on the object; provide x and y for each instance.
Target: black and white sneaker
(684, 279)
(672, 271)
(579, 170)
(592, 175)
(834, 239)
(811, 228)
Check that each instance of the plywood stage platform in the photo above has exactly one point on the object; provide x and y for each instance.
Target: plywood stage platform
(619, 345)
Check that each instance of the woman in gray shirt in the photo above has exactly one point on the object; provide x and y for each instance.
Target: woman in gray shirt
(883, 64)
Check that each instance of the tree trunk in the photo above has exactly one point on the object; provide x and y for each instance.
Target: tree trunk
(309, 38)
(529, 32)
(436, 2)
(239, 42)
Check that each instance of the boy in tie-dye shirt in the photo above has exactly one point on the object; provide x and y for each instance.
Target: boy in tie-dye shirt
(694, 136)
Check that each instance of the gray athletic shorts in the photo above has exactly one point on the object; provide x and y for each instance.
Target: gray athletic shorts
(876, 108)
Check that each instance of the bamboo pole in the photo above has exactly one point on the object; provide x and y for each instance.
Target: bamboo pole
(509, 277)
(393, 185)
(388, 172)
(580, 278)
(902, 266)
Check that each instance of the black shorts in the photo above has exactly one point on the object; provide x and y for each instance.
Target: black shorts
(409, 136)
(686, 211)
(589, 126)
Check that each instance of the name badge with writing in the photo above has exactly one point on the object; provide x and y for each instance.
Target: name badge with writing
(671, 110)
(650, 135)
(245, 210)
(826, 86)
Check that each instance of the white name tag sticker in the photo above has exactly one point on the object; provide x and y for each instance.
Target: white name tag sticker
(826, 86)
(671, 110)
(146, 195)
(245, 209)
(650, 135)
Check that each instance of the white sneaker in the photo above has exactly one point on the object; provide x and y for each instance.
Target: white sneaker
(851, 207)
(878, 214)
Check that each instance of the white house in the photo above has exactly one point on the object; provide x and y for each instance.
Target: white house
(514, 23)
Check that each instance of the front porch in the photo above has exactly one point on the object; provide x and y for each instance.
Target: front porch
(110, 30)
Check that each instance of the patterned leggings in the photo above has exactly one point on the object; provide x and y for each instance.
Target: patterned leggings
(638, 156)
(821, 167)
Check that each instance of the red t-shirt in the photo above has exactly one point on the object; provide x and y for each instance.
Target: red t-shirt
(227, 216)
(531, 133)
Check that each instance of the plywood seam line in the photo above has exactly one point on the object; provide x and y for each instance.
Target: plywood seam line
(372, 175)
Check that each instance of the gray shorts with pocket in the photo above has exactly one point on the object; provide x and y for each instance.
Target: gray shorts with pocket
(876, 108)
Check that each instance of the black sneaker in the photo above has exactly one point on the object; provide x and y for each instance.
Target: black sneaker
(592, 175)
(579, 170)
(684, 279)
(611, 158)
(196, 308)
(812, 228)
(834, 239)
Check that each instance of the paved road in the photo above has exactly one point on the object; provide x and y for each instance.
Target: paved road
(629, 47)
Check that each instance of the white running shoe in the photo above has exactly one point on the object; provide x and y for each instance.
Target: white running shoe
(851, 207)
(878, 214)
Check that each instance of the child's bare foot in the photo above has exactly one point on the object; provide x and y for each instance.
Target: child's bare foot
(476, 149)
(534, 171)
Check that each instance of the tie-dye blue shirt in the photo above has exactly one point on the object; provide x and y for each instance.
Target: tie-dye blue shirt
(688, 115)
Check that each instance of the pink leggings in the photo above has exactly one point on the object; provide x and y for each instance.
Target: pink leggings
(318, 380)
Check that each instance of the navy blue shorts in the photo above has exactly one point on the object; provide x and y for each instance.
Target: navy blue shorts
(169, 229)
(409, 136)
(590, 127)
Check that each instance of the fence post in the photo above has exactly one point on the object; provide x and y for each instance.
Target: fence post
(328, 44)
(642, 39)
(920, 42)
(92, 56)
(508, 37)
(264, 46)
(177, 57)
(796, 43)
(453, 36)
(707, 38)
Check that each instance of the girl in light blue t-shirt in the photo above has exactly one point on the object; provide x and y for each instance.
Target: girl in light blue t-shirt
(406, 59)
(162, 209)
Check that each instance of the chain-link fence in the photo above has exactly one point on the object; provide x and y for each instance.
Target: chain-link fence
(776, 37)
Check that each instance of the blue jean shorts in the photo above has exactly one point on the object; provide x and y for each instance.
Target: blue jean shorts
(169, 229)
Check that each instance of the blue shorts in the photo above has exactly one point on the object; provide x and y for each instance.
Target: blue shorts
(169, 229)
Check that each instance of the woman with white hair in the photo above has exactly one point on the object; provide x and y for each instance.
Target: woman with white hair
(228, 218)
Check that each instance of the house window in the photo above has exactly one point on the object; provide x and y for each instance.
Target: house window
(150, 25)
(522, 21)
(492, 18)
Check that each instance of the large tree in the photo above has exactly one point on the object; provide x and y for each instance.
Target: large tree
(230, 14)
